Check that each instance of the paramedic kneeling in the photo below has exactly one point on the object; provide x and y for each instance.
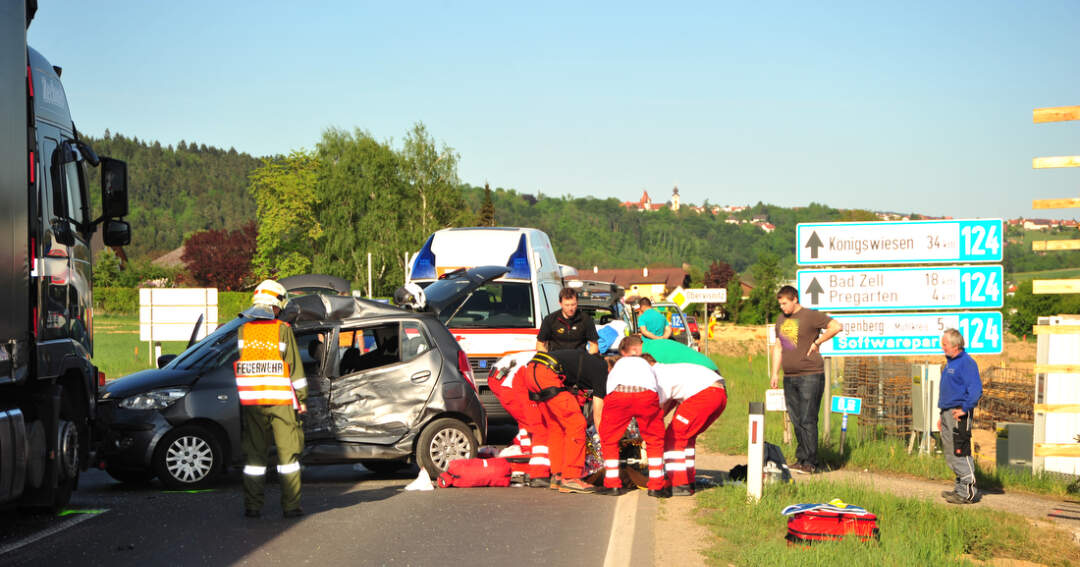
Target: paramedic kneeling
(961, 389)
(563, 420)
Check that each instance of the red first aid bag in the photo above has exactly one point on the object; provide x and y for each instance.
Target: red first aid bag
(825, 525)
(476, 472)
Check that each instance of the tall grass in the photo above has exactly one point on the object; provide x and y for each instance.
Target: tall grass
(117, 349)
(913, 531)
(747, 379)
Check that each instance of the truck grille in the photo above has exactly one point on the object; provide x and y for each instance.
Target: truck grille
(482, 365)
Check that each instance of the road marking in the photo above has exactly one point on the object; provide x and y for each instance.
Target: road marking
(621, 543)
(71, 522)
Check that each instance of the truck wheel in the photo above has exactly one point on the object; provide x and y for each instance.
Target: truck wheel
(188, 458)
(442, 441)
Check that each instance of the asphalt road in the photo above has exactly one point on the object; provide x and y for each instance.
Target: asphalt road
(354, 517)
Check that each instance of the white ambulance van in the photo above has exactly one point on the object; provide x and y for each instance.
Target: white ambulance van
(504, 315)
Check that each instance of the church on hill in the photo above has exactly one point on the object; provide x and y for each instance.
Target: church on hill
(646, 204)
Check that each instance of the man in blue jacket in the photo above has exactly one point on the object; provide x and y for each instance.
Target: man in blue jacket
(961, 389)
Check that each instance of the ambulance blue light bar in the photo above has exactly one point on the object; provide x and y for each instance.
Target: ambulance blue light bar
(519, 262)
(424, 265)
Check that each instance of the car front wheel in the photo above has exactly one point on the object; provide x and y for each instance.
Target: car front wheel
(442, 441)
(187, 458)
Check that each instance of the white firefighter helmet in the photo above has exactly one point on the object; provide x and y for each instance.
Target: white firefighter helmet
(269, 293)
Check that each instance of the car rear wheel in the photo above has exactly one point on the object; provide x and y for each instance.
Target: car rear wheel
(187, 458)
(444, 440)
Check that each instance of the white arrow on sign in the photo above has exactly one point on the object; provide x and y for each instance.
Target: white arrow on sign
(891, 289)
(937, 241)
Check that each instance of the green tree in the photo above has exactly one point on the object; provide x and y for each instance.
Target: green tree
(106, 269)
(286, 206)
(487, 210)
(762, 307)
(362, 182)
(430, 173)
(734, 299)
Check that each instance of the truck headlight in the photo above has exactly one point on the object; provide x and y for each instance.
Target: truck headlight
(154, 399)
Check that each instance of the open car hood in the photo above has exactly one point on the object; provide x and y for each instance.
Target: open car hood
(443, 296)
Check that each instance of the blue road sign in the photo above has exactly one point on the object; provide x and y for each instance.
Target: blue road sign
(912, 334)
(903, 242)
(844, 404)
(899, 289)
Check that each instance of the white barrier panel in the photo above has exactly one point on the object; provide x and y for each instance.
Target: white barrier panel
(169, 314)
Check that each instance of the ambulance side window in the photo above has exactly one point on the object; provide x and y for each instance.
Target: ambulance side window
(551, 297)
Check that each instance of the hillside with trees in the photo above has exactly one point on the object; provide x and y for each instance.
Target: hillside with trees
(324, 210)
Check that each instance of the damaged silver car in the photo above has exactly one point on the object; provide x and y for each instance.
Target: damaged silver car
(387, 386)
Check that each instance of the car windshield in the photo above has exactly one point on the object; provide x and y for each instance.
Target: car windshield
(493, 305)
(210, 351)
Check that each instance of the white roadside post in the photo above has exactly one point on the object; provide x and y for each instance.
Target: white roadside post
(755, 453)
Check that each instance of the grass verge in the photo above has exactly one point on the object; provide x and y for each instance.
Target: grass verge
(747, 379)
(913, 531)
(118, 350)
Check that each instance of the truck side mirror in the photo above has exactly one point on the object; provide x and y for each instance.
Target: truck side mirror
(117, 233)
(114, 196)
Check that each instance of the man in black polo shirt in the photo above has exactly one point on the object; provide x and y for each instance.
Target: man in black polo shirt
(567, 328)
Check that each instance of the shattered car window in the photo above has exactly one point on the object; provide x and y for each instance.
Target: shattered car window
(369, 347)
(415, 343)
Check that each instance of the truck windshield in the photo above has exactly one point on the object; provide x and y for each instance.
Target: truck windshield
(495, 305)
(212, 351)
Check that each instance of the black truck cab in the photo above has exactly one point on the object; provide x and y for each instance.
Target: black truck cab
(48, 384)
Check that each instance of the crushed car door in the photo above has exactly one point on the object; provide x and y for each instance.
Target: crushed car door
(384, 380)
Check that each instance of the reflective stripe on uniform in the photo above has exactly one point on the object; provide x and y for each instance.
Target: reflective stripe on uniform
(656, 473)
(285, 397)
(289, 468)
(254, 470)
(270, 381)
(611, 473)
(611, 463)
(655, 461)
(675, 466)
(673, 455)
(540, 449)
(682, 419)
(540, 461)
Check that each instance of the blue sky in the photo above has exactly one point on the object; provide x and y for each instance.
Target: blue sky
(911, 106)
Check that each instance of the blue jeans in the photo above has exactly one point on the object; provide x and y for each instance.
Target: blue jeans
(802, 395)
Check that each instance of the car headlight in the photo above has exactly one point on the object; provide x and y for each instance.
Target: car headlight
(154, 399)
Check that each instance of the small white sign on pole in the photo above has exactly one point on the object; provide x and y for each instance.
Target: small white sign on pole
(774, 400)
(169, 314)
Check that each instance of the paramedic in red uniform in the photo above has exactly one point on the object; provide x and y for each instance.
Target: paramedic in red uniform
(701, 397)
(507, 383)
(633, 393)
(565, 424)
(567, 328)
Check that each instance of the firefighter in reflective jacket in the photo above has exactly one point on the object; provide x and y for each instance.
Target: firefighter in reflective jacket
(272, 390)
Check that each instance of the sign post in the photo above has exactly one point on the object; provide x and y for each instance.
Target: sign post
(755, 452)
(844, 406)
